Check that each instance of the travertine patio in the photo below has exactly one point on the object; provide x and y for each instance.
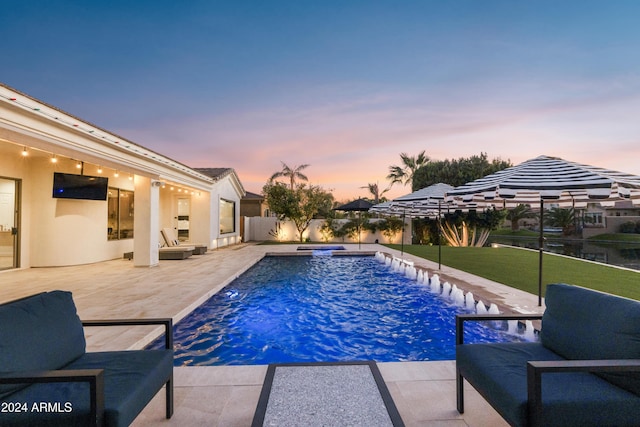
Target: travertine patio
(424, 392)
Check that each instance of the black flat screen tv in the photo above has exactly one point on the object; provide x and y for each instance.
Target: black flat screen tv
(70, 186)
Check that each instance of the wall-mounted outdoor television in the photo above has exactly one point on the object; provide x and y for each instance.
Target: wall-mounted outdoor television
(70, 186)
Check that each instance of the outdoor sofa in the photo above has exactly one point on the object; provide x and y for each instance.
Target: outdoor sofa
(584, 371)
(48, 378)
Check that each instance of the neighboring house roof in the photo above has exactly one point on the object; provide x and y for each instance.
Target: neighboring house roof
(219, 173)
(624, 204)
(253, 196)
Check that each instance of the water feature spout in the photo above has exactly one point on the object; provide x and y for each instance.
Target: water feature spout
(529, 332)
(411, 272)
(454, 292)
(435, 284)
(458, 297)
(469, 301)
(481, 308)
(446, 289)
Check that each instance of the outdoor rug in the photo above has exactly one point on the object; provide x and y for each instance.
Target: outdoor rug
(325, 394)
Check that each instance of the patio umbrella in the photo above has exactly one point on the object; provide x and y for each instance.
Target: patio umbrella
(422, 203)
(550, 178)
(359, 205)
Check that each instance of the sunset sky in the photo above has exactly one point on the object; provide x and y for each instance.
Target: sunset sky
(344, 86)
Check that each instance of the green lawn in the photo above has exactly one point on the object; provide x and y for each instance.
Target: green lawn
(518, 268)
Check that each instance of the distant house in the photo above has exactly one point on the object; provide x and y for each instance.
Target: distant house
(598, 219)
(253, 204)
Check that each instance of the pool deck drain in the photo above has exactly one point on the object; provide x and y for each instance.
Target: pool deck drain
(325, 394)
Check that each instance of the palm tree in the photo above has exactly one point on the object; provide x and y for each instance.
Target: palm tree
(291, 173)
(521, 211)
(374, 189)
(410, 164)
(564, 218)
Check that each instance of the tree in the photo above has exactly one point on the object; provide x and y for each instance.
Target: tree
(404, 174)
(299, 205)
(291, 173)
(521, 211)
(563, 218)
(390, 227)
(456, 172)
(375, 192)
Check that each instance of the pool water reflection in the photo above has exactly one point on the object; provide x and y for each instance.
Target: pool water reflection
(321, 309)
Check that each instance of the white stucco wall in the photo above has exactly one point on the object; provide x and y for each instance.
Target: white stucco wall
(60, 232)
(224, 189)
(69, 232)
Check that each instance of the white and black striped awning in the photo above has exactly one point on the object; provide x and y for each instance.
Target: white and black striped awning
(551, 178)
(422, 203)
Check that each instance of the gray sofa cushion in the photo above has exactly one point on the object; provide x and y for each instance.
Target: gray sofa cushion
(580, 323)
(41, 332)
(131, 379)
(499, 372)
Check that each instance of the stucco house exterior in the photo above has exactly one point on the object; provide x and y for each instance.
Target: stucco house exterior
(145, 192)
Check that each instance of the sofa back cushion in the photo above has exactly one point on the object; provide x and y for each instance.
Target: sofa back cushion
(580, 323)
(41, 332)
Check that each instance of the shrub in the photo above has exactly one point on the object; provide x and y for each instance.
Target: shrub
(628, 227)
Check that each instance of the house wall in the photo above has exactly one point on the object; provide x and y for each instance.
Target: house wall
(59, 232)
(225, 189)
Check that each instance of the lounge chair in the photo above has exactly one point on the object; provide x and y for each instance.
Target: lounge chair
(584, 371)
(172, 241)
(49, 379)
(175, 252)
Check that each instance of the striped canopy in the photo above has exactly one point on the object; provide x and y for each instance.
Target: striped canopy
(421, 203)
(551, 178)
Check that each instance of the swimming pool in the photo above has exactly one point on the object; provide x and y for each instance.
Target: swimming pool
(321, 309)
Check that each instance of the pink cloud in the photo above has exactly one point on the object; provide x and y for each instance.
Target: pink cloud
(350, 142)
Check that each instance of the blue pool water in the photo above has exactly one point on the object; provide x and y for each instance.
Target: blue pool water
(321, 309)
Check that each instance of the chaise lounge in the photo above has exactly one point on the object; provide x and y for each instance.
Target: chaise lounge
(172, 242)
(182, 252)
(584, 371)
(48, 378)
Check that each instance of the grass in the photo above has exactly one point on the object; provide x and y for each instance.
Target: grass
(518, 268)
(616, 237)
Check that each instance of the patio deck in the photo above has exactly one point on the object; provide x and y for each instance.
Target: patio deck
(424, 392)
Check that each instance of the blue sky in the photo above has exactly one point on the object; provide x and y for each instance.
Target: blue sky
(344, 86)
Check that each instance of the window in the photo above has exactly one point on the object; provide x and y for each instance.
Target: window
(120, 214)
(593, 219)
(227, 216)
